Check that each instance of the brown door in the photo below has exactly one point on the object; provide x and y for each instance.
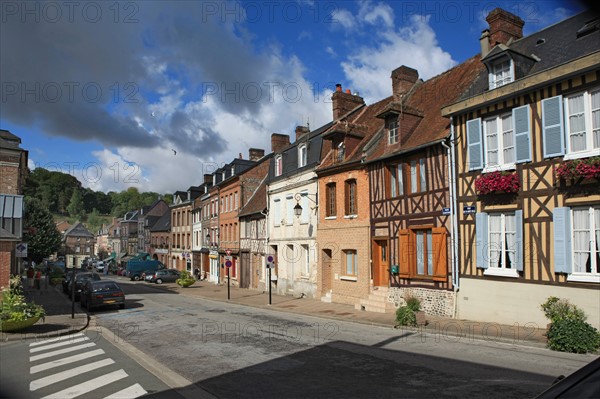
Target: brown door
(381, 264)
(245, 270)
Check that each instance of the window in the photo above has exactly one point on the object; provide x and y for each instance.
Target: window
(350, 262)
(351, 208)
(500, 243)
(586, 242)
(423, 253)
(418, 175)
(501, 74)
(499, 141)
(289, 210)
(302, 155)
(306, 250)
(276, 212)
(235, 196)
(330, 210)
(583, 122)
(392, 132)
(77, 249)
(305, 216)
(396, 180)
(340, 152)
(278, 165)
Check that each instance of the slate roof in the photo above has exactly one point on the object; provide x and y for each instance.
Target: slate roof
(555, 45)
(162, 224)
(78, 230)
(257, 202)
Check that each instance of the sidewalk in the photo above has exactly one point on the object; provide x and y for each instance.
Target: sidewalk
(448, 329)
(58, 319)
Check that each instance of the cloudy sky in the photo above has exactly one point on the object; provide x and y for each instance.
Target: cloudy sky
(153, 94)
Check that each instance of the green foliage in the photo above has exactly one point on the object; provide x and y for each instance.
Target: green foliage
(40, 231)
(569, 331)
(185, 279)
(75, 207)
(14, 307)
(406, 315)
(557, 309)
(573, 335)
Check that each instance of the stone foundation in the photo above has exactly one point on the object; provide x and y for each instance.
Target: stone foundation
(433, 302)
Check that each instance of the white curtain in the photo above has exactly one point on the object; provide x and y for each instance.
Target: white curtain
(495, 240)
(420, 253)
(429, 254)
(577, 123)
(581, 239)
(597, 226)
(596, 118)
(491, 133)
(508, 139)
(511, 238)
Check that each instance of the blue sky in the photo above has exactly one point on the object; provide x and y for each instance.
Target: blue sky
(153, 94)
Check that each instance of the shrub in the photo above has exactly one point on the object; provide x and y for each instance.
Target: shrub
(569, 331)
(405, 315)
(573, 335)
(185, 279)
(14, 307)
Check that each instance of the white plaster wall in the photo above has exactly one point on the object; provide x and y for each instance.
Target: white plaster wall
(506, 303)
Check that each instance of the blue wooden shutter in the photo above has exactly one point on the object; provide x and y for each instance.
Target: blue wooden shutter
(519, 240)
(474, 142)
(522, 121)
(562, 240)
(481, 231)
(552, 127)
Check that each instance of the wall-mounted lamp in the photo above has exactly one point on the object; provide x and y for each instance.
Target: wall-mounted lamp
(298, 207)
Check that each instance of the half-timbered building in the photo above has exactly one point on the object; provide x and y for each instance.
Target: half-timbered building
(527, 145)
(411, 210)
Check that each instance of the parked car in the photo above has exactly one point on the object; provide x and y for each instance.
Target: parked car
(100, 266)
(95, 294)
(80, 280)
(162, 276)
(137, 267)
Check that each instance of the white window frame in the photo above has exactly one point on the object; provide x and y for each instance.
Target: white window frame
(585, 276)
(278, 165)
(392, 128)
(289, 210)
(302, 155)
(496, 82)
(500, 145)
(306, 250)
(492, 269)
(277, 212)
(589, 151)
(346, 275)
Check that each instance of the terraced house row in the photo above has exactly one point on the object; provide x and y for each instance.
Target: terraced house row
(475, 190)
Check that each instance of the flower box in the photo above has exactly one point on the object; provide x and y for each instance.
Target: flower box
(588, 168)
(16, 325)
(497, 182)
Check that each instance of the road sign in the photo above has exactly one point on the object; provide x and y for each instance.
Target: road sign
(270, 262)
(468, 210)
(228, 258)
(445, 211)
(21, 250)
(228, 263)
(228, 252)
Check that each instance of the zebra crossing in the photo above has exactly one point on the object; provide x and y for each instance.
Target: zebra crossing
(73, 365)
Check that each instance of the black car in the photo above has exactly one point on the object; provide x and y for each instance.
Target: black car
(95, 294)
(80, 280)
(583, 383)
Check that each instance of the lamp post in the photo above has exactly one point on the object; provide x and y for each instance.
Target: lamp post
(298, 208)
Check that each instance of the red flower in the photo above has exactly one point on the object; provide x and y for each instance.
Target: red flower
(498, 181)
(587, 168)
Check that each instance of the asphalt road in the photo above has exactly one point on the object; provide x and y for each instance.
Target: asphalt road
(237, 351)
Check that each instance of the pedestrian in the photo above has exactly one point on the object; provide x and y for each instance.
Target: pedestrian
(30, 275)
(197, 273)
(38, 279)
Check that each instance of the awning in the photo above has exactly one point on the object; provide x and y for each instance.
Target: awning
(126, 258)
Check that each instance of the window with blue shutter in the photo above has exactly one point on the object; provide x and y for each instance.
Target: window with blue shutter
(522, 121)
(552, 127)
(481, 231)
(475, 147)
(562, 240)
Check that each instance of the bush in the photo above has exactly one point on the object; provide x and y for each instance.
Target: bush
(569, 331)
(405, 315)
(14, 307)
(575, 336)
(185, 279)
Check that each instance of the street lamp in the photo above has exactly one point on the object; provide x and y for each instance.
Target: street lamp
(298, 207)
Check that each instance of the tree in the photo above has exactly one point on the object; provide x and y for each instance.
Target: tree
(75, 207)
(41, 234)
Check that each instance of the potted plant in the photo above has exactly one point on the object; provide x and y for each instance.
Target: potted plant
(588, 168)
(497, 182)
(185, 279)
(16, 313)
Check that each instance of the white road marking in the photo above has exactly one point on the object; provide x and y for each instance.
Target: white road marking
(66, 360)
(63, 375)
(61, 351)
(88, 386)
(57, 345)
(132, 392)
(49, 341)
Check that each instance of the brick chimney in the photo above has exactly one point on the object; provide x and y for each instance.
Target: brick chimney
(301, 131)
(344, 102)
(279, 142)
(254, 154)
(403, 79)
(207, 178)
(504, 26)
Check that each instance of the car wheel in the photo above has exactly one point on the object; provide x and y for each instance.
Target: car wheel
(158, 281)
(136, 278)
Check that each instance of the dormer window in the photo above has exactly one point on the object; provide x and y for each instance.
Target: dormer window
(278, 165)
(302, 155)
(340, 152)
(501, 73)
(232, 170)
(392, 131)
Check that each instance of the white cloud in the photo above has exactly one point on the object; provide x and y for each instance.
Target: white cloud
(329, 50)
(344, 18)
(373, 14)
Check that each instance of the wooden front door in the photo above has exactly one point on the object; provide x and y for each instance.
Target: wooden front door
(381, 264)
(245, 270)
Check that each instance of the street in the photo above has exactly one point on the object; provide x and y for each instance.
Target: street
(238, 351)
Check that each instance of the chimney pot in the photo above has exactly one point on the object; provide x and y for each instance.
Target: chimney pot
(504, 26)
(279, 142)
(338, 87)
(301, 131)
(254, 154)
(348, 91)
(484, 42)
(344, 102)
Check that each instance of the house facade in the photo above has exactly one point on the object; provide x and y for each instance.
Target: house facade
(527, 145)
(160, 239)
(180, 250)
(147, 216)
(13, 171)
(78, 244)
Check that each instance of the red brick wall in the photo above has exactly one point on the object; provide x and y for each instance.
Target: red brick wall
(6, 250)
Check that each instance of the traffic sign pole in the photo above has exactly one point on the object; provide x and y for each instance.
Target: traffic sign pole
(228, 292)
(270, 285)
